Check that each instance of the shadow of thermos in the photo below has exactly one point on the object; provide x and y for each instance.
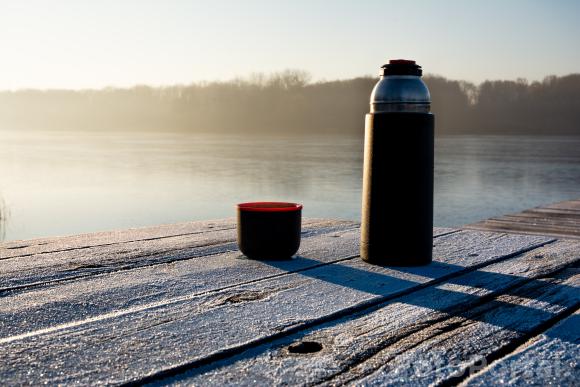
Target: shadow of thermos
(397, 205)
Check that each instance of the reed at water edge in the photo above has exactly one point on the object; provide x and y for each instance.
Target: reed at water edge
(3, 219)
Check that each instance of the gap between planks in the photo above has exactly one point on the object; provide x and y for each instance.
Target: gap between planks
(539, 359)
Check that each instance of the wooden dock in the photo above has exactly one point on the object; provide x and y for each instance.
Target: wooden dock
(179, 305)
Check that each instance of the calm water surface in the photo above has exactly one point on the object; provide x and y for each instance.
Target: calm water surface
(68, 183)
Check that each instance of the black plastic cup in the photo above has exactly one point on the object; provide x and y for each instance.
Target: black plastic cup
(269, 230)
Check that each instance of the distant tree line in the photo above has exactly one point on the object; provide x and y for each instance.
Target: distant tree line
(288, 102)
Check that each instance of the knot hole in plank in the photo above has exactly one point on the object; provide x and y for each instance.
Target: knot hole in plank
(305, 347)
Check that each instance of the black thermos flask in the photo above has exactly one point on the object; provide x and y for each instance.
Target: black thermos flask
(397, 203)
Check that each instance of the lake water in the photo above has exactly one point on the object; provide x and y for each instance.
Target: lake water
(58, 183)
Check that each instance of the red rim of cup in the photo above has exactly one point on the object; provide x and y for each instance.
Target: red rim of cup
(269, 206)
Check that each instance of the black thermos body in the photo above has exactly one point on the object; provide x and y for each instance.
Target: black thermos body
(397, 203)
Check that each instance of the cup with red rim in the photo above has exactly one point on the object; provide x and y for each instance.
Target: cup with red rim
(269, 230)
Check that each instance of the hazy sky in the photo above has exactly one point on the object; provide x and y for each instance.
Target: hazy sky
(97, 43)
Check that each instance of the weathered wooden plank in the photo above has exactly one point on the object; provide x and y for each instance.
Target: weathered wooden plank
(553, 213)
(498, 226)
(532, 226)
(45, 268)
(360, 344)
(558, 219)
(550, 221)
(566, 205)
(51, 244)
(25, 248)
(129, 344)
(551, 358)
(555, 224)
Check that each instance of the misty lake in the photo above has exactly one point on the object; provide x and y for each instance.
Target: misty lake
(58, 183)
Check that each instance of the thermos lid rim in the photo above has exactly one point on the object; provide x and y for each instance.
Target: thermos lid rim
(401, 67)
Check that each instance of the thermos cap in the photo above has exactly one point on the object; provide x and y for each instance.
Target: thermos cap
(401, 67)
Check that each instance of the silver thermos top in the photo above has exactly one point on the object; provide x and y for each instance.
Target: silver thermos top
(400, 89)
